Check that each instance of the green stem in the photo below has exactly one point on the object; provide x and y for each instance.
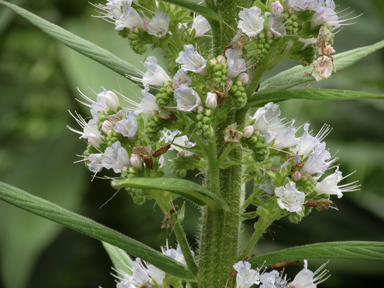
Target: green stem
(179, 232)
(176, 36)
(225, 153)
(213, 169)
(255, 79)
(261, 226)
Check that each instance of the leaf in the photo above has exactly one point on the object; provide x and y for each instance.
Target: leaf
(120, 259)
(190, 190)
(296, 75)
(24, 236)
(79, 44)
(204, 11)
(351, 250)
(93, 229)
(317, 94)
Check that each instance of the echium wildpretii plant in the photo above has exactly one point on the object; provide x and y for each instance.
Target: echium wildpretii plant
(199, 105)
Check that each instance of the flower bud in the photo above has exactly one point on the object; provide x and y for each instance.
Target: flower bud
(248, 131)
(296, 176)
(94, 140)
(107, 126)
(111, 100)
(277, 8)
(243, 77)
(221, 58)
(136, 161)
(211, 101)
(200, 109)
(213, 62)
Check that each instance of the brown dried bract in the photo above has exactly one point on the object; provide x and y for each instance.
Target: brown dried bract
(221, 95)
(145, 153)
(168, 217)
(238, 41)
(283, 264)
(321, 204)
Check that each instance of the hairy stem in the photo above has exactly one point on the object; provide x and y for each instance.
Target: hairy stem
(179, 232)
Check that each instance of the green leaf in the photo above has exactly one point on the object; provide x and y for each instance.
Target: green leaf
(79, 44)
(25, 236)
(351, 250)
(93, 229)
(317, 94)
(204, 11)
(296, 75)
(190, 190)
(120, 259)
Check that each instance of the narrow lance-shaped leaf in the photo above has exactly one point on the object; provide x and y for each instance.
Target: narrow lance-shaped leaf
(120, 259)
(316, 94)
(296, 75)
(350, 250)
(204, 11)
(77, 43)
(189, 190)
(93, 229)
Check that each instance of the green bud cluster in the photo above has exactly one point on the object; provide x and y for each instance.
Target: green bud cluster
(165, 94)
(135, 39)
(217, 73)
(258, 145)
(153, 127)
(305, 184)
(137, 195)
(237, 93)
(181, 164)
(292, 26)
(204, 122)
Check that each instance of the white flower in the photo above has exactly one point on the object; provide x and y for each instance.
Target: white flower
(273, 279)
(276, 25)
(246, 276)
(129, 18)
(329, 185)
(325, 15)
(126, 124)
(307, 279)
(201, 25)
(187, 99)
(290, 198)
(192, 61)
(155, 75)
(182, 141)
(175, 254)
(323, 68)
(90, 130)
(116, 157)
(138, 278)
(308, 143)
(319, 161)
(236, 64)
(285, 138)
(94, 162)
(181, 78)
(159, 24)
(155, 273)
(251, 23)
(267, 119)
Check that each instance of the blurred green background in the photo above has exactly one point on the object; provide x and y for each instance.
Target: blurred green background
(38, 80)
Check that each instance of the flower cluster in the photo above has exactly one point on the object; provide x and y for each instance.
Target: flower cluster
(295, 184)
(246, 277)
(145, 274)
